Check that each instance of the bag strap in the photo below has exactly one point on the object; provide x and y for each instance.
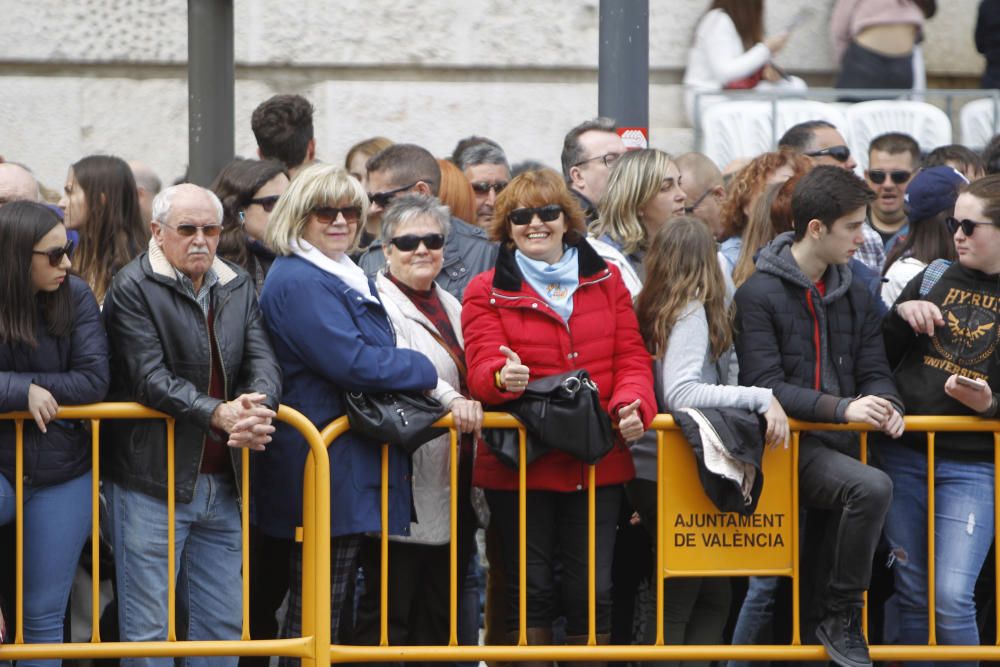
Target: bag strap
(459, 362)
(932, 274)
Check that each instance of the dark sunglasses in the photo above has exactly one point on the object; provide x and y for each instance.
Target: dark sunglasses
(898, 176)
(524, 216)
(410, 242)
(688, 210)
(327, 215)
(838, 153)
(383, 198)
(56, 255)
(190, 230)
(266, 203)
(968, 226)
(483, 187)
(608, 159)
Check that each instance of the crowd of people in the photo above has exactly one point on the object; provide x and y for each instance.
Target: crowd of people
(787, 287)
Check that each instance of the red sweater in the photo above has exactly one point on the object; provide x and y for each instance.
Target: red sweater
(602, 336)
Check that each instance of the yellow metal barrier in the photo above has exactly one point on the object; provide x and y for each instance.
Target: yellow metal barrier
(316, 554)
(766, 545)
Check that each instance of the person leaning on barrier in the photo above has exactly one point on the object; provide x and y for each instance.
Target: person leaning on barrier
(811, 334)
(549, 306)
(685, 317)
(187, 339)
(331, 335)
(427, 319)
(53, 352)
(950, 367)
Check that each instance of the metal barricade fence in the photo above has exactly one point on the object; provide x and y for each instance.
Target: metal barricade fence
(678, 491)
(725, 552)
(315, 544)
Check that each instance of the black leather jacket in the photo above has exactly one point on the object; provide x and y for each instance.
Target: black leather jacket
(160, 357)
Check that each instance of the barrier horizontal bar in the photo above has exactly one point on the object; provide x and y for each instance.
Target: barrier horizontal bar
(298, 647)
(96, 411)
(812, 652)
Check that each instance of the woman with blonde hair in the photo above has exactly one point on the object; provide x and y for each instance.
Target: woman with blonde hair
(685, 318)
(644, 191)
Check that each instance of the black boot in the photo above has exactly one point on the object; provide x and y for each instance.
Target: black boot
(840, 632)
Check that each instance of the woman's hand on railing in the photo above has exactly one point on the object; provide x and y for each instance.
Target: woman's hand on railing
(468, 416)
(777, 425)
(42, 405)
(630, 422)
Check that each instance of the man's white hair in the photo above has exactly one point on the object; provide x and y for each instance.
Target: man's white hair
(162, 201)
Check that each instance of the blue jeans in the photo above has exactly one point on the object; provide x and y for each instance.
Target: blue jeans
(56, 526)
(963, 535)
(208, 555)
(756, 614)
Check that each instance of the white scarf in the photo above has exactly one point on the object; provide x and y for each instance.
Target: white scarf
(344, 268)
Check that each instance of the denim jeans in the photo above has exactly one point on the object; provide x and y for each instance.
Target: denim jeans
(756, 614)
(963, 526)
(56, 526)
(208, 550)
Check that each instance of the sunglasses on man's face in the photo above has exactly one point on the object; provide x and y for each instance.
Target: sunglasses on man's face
(383, 198)
(524, 216)
(326, 215)
(410, 242)
(967, 226)
(898, 176)
(56, 255)
(838, 153)
(483, 187)
(190, 230)
(266, 203)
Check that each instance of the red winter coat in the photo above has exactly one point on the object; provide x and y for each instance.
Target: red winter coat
(501, 308)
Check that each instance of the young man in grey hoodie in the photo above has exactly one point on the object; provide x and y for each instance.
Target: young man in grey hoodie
(813, 336)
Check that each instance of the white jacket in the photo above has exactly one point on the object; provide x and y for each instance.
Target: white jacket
(431, 469)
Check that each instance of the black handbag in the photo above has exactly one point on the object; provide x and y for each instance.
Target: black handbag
(558, 412)
(401, 418)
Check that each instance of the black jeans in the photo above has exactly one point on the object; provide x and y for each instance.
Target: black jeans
(864, 68)
(557, 532)
(696, 609)
(831, 480)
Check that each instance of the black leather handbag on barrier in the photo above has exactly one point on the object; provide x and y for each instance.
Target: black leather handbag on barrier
(558, 412)
(401, 418)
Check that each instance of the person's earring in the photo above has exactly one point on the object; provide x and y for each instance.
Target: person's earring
(243, 217)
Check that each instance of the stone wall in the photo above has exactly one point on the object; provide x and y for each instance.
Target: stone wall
(98, 76)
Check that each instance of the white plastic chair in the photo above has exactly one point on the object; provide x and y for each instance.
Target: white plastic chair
(735, 129)
(793, 112)
(980, 120)
(924, 122)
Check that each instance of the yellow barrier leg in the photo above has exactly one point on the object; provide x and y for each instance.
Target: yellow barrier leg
(661, 523)
(522, 539)
(95, 531)
(453, 546)
(591, 557)
(171, 537)
(931, 565)
(796, 625)
(384, 564)
(245, 527)
(19, 529)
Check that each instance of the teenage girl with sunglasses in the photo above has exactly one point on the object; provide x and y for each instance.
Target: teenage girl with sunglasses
(53, 352)
(249, 191)
(943, 345)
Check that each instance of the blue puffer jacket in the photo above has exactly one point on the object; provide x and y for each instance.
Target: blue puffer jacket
(75, 370)
(328, 339)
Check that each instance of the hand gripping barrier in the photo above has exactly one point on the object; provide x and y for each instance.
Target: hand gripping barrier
(316, 553)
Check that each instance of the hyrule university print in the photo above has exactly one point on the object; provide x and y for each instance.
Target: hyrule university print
(968, 338)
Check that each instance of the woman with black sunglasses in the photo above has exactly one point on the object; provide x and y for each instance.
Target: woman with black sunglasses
(943, 338)
(248, 190)
(331, 335)
(425, 318)
(553, 305)
(53, 352)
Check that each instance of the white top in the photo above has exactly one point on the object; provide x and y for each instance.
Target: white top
(899, 274)
(717, 57)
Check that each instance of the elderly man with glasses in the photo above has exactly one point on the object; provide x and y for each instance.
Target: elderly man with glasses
(186, 339)
(487, 169)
